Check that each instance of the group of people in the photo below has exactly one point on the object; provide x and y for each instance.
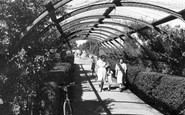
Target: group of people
(105, 73)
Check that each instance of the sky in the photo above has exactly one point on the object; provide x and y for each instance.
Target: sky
(80, 42)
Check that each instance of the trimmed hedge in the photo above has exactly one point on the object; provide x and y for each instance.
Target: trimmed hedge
(133, 72)
(60, 73)
(165, 91)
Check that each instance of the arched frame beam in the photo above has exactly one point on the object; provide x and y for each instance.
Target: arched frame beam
(107, 49)
(115, 33)
(91, 35)
(95, 30)
(42, 16)
(92, 38)
(112, 48)
(84, 25)
(92, 22)
(112, 52)
(115, 48)
(98, 27)
(128, 4)
(63, 2)
(152, 6)
(119, 17)
(122, 46)
(78, 20)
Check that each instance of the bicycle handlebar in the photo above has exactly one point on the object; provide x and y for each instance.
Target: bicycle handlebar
(64, 87)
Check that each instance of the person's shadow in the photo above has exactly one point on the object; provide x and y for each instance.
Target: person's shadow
(84, 107)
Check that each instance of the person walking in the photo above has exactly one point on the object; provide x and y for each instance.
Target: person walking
(120, 73)
(101, 72)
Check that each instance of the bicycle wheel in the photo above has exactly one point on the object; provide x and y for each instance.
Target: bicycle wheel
(67, 108)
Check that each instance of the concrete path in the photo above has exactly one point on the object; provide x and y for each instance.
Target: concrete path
(88, 101)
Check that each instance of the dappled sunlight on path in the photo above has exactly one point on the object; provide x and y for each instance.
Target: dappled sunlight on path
(87, 101)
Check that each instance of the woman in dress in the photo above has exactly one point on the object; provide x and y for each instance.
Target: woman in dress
(120, 73)
(101, 72)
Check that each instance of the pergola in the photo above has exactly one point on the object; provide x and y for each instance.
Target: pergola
(107, 22)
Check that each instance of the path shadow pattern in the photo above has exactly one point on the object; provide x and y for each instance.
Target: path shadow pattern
(87, 107)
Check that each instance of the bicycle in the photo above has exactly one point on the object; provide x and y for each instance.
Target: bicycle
(67, 109)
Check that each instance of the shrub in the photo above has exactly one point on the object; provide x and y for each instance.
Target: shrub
(59, 73)
(132, 73)
(162, 90)
(171, 91)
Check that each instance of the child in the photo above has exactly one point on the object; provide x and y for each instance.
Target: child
(93, 65)
(109, 77)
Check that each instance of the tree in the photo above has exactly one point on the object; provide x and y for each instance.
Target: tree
(22, 75)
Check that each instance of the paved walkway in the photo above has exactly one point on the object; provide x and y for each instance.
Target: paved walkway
(90, 102)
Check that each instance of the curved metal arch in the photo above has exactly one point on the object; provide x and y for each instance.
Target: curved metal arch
(98, 27)
(92, 38)
(122, 50)
(101, 27)
(82, 19)
(106, 50)
(103, 48)
(92, 17)
(91, 34)
(119, 52)
(114, 46)
(42, 16)
(93, 22)
(86, 31)
(154, 7)
(106, 31)
(119, 43)
(84, 34)
(126, 56)
(110, 45)
(127, 18)
(97, 35)
(63, 2)
(136, 4)
(96, 30)
(111, 49)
